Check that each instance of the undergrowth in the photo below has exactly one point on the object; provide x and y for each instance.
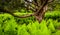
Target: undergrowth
(29, 26)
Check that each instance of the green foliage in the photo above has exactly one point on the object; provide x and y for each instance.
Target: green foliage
(12, 4)
(52, 15)
(29, 26)
(57, 33)
(7, 24)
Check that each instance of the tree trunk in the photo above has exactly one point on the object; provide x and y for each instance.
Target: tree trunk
(41, 13)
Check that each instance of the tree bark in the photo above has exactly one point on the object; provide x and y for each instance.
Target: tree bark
(40, 15)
